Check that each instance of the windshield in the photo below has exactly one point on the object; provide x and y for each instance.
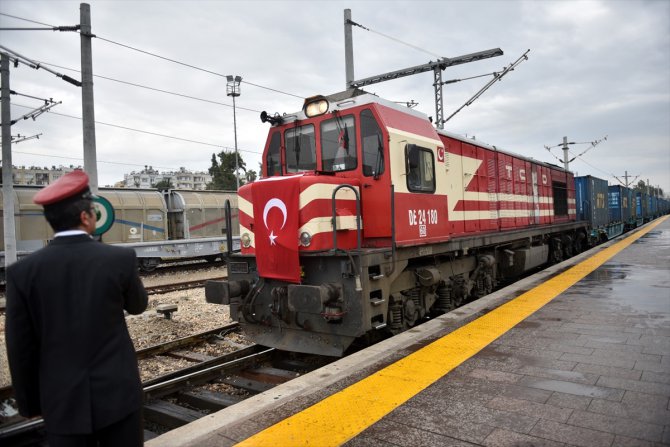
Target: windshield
(273, 157)
(300, 149)
(338, 144)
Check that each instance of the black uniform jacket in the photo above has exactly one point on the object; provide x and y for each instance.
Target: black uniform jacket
(70, 355)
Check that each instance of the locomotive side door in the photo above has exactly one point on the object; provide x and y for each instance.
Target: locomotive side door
(376, 182)
(535, 206)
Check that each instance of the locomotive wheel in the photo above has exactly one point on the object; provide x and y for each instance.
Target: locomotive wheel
(148, 264)
(411, 313)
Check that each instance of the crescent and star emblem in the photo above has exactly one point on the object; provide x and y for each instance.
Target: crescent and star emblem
(281, 206)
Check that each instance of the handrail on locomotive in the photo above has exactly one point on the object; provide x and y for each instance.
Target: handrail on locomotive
(358, 216)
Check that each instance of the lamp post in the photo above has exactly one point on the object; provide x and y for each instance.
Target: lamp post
(233, 89)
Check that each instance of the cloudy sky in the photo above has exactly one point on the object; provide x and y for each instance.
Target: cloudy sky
(595, 69)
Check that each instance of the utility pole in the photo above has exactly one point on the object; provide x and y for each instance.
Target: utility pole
(566, 160)
(566, 163)
(7, 180)
(348, 49)
(87, 104)
(626, 183)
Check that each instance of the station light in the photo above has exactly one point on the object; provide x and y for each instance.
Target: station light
(233, 90)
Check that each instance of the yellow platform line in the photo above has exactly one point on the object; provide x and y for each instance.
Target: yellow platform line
(338, 418)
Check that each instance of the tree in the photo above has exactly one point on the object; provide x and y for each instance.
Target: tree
(223, 171)
(164, 184)
(251, 176)
(641, 186)
(648, 189)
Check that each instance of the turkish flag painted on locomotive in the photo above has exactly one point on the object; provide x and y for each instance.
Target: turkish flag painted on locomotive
(276, 215)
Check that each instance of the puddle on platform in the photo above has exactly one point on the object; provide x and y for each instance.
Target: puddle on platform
(609, 272)
(634, 288)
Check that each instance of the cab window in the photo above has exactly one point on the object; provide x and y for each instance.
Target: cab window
(273, 157)
(373, 145)
(300, 149)
(338, 144)
(420, 168)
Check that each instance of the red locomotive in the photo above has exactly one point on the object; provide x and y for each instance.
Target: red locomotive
(368, 219)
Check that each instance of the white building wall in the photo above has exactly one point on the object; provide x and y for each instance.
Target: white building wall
(182, 179)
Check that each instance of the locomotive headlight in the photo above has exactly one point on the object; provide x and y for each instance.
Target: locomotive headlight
(305, 239)
(246, 240)
(315, 106)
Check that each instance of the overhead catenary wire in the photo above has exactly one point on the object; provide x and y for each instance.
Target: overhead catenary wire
(25, 20)
(99, 161)
(395, 39)
(597, 168)
(188, 140)
(149, 53)
(594, 167)
(593, 144)
(192, 66)
(168, 92)
(564, 145)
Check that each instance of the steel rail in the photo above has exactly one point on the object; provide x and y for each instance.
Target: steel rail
(185, 341)
(205, 372)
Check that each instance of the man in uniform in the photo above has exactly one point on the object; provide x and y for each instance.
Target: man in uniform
(71, 358)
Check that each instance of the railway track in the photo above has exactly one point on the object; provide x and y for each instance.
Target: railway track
(179, 397)
(180, 266)
(165, 288)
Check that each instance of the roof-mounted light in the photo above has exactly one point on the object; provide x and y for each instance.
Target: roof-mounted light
(315, 106)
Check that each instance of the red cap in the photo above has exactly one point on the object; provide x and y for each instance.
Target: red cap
(69, 186)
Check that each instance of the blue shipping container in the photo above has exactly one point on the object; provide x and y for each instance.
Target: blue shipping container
(653, 206)
(591, 200)
(620, 205)
(641, 204)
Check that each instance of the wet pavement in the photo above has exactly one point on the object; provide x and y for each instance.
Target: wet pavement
(590, 368)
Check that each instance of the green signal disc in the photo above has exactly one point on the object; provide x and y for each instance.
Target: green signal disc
(104, 215)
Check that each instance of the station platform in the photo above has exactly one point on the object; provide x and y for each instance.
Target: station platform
(578, 355)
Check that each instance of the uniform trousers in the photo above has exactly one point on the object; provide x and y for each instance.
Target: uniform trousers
(128, 432)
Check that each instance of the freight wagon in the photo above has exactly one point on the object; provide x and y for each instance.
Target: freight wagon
(168, 226)
(620, 204)
(592, 197)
